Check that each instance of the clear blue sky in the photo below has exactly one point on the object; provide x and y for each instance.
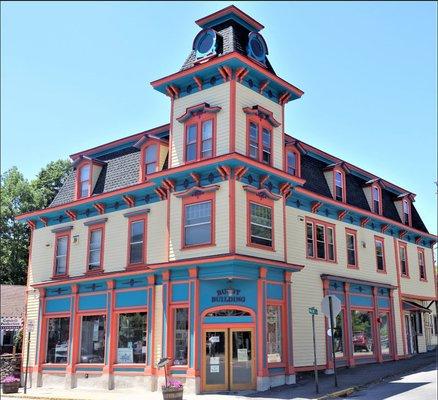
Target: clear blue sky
(76, 74)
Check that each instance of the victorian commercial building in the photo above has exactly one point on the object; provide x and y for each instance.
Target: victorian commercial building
(207, 239)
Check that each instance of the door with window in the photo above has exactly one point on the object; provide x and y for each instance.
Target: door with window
(228, 359)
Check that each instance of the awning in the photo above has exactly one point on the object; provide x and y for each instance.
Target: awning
(412, 306)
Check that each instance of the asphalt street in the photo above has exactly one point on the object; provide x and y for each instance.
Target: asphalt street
(421, 385)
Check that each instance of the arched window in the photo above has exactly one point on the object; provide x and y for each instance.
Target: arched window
(293, 160)
(377, 202)
(151, 159)
(406, 212)
(339, 185)
(228, 313)
(84, 184)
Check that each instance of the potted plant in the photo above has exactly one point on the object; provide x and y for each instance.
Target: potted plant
(10, 384)
(172, 389)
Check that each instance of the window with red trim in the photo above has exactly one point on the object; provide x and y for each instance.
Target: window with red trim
(406, 212)
(351, 239)
(421, 265)
(62, 250)
(198, 223)
(181, 335)
(259, 139)
(95, 247)
(84, 181)
(380, 254)
(199, 137)
(151, 159)
(320, 240)
(339, 185)
(137, 241)
(403, 256)
(376, 197)
(293, 162)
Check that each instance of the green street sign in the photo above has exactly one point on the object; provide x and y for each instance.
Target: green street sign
(313, 311)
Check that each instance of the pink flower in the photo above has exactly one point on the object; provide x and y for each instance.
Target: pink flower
(10, 379)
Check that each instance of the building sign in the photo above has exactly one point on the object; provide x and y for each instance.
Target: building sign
(228, 295)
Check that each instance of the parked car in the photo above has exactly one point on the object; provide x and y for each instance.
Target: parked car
(362, 341)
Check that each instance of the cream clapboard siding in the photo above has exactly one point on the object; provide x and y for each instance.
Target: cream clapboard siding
(329, 177)
(158, 322)
(115, 244)
(221, 227)
(413, 285)
(31, 315)
(241, 228)
(307, 288)
(215, 96)
(164, 151)
(246, 97)
(368, 194)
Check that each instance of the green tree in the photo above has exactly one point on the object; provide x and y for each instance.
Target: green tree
(48, 182)
(19, 196)
(16, 198)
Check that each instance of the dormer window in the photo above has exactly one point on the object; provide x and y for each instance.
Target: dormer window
(335, 177)
(153, 152)
(84, 181)
(406, 212)
(376, 200)
(339, 186)
(151, 159)
(291, 162)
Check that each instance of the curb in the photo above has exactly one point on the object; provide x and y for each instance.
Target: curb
(340, 393)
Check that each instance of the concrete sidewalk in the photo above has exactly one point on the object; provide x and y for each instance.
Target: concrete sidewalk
(304, 389)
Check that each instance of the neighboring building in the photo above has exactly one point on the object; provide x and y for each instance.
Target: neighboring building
(207, 239)
(12, 314)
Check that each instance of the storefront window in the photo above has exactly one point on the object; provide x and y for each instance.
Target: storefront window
(274, 334)
(93, 339)
(384, 333)
(57, 340)
(362, 332)
(132, 338)
(339, 335)
(181, 336)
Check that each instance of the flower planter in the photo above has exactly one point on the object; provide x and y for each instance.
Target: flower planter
(11, 387)
(172, 394)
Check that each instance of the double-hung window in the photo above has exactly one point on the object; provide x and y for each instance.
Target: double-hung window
(339, 186)
(376, 199)
(291, 162)
(62, 244)
(380, 254)
(137, 236)
(260, 142)
(198, 223)
(406, 212)
(260, 224)
(84, 181)
(320, 240)
(351, 239)
(151, 159)
(95, 248)
(421, 264)
(403, 256)
(199, 139)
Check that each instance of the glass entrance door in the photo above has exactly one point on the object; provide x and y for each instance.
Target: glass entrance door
(216, 360)
(228, 360)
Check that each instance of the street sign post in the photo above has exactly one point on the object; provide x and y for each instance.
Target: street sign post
(331, 307)
(29, 331)
(313, 311)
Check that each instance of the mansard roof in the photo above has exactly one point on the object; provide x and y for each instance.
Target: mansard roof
(121, 169)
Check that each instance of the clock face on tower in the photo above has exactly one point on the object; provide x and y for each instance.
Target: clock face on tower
(205, 43)
(257, 48)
